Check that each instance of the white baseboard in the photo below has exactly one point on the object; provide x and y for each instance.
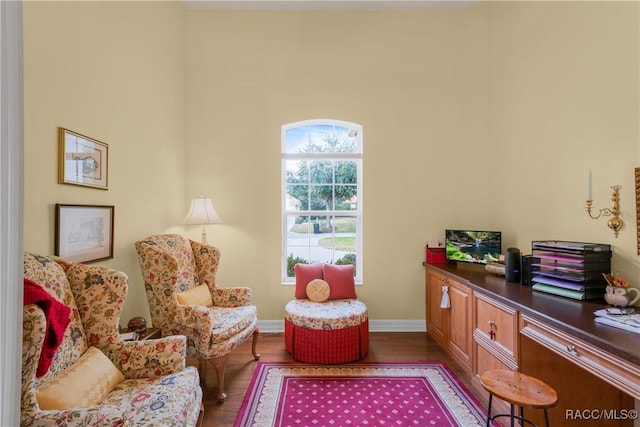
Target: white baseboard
(397, 326)
(273, 326)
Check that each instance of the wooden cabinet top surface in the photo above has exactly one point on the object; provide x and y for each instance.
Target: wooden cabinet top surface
(572, 316)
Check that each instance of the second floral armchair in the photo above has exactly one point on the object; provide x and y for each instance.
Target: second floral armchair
(179, 276)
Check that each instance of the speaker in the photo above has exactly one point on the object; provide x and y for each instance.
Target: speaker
(512, 265)
(528, 268)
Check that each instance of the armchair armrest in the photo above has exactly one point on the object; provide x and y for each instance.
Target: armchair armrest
(81, 417)
(153, 358)
(231, 297)
(193, 316)
(187, 315)
(198, 322)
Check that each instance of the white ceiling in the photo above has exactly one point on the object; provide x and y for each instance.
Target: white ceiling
(329, 5)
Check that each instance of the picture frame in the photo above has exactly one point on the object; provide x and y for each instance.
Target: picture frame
(84, 233)
(82, 160)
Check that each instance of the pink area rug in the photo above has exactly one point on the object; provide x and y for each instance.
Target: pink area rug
(357, 395)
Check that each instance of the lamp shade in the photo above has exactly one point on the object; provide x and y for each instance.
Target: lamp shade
(202, 212)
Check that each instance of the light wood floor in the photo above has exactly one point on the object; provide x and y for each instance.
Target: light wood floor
(383, 347)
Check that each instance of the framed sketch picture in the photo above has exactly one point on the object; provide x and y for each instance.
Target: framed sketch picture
(84, 233)
(82, 160)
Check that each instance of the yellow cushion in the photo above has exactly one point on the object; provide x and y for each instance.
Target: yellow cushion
(83, 384)
(318, 290)
(200, 295)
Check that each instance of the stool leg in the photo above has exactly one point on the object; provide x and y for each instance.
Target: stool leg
(513, 420)
(489, 410)
(546, 417)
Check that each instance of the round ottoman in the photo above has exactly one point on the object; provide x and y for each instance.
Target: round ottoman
(327, 332)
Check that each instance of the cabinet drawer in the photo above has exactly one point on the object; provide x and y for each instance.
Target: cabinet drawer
(606, 366)
(491, 315)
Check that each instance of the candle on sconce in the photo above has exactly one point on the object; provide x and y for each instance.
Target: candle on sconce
(615, 223)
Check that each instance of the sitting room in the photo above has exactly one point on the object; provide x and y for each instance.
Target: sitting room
(470, 115)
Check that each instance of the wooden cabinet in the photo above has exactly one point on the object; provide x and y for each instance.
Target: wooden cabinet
(493, 324)
(589, 382)
(450, 327)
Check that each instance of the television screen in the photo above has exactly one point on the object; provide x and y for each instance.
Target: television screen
(475, 246)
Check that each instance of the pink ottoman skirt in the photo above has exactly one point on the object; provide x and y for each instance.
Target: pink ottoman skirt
(330, 332)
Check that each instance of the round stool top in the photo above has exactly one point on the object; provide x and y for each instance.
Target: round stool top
(519, 389)
(334, 314)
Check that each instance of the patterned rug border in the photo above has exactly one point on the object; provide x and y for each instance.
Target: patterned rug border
(462, 396)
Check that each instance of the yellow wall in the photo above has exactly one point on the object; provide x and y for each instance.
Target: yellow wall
(114, 72)
(409, 79)
(462, 113)
(565, 99)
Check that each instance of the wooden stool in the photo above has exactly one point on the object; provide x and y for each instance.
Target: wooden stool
(518, 389)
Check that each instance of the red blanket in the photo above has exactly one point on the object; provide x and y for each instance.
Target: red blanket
(57, 315)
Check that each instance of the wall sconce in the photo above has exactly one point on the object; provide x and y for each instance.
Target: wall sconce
(615, 223)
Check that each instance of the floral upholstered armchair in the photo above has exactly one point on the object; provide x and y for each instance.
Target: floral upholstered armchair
(76, 371)
(179, 276)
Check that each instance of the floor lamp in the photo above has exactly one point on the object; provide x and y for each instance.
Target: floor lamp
(202, 213)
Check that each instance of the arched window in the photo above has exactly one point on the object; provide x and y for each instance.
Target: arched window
(321, 194)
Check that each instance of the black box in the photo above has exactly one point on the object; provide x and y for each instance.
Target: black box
(528, 269)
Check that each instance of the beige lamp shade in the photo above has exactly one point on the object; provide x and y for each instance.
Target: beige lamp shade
(202, 213)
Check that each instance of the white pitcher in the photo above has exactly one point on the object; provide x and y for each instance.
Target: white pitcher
(621, 297)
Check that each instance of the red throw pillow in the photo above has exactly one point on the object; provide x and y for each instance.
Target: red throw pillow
(340, 279)
(304, 274)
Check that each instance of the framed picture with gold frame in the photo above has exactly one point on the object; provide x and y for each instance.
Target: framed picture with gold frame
(84, 233)
(82, 160)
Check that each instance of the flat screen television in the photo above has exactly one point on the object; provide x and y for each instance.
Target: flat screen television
(475, 246)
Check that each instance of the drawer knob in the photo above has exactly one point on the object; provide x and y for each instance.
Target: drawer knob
(572, 349)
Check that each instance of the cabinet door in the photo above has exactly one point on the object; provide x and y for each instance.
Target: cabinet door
(460, 332)
(436, 316)
(496, 328)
